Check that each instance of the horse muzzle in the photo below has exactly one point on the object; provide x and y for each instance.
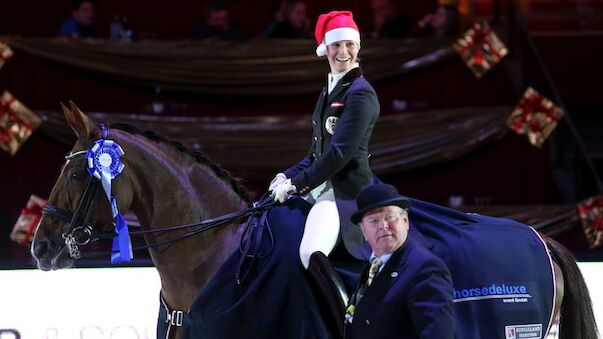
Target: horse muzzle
(50, 255)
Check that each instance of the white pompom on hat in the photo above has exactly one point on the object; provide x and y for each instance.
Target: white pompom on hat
(335, 26)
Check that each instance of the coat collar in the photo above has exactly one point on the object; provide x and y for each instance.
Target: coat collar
(344, 83)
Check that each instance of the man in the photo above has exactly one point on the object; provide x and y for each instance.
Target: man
(218, 25)
(337, 164)
(81, 22)
(407, 291)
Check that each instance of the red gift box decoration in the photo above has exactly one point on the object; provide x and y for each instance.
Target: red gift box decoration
(591, 215)
(17, 123)
(535, 116)
(480, 48)
(25, 226)
(5, 53)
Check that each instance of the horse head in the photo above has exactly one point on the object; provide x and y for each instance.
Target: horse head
(77, 208)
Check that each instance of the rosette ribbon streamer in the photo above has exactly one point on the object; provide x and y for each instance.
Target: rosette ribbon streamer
(104, 163)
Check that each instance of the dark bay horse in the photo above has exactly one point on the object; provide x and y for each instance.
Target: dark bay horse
(164, 184)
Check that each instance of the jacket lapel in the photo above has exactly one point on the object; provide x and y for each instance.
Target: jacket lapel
(320, 104)
(321, 100)
(344, 83)
(387, 277)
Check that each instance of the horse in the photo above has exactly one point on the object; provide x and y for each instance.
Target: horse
(164, 183)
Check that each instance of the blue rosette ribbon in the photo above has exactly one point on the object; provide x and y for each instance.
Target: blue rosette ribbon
(104, 163)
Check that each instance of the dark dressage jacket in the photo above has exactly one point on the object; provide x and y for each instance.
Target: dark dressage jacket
(342, 124)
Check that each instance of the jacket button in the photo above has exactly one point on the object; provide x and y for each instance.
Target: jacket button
(313, 122)
(315, 138)
(314, 155)
(367, 322)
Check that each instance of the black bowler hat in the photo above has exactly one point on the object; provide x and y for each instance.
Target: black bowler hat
(378, 195)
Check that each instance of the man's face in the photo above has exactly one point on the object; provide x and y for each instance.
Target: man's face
(342, 55)
(385, 229)
(85, 14)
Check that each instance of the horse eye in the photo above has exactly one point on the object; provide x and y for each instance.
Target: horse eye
(76, 175)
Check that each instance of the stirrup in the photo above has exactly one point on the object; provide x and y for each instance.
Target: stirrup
(330, 292)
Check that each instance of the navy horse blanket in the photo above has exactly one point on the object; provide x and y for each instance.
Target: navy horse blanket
(502, 273)
(504, 285)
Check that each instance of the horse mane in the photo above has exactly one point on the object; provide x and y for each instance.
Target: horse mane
(198, 156)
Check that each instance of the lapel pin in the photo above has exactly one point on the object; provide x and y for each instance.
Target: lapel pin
(394, 274)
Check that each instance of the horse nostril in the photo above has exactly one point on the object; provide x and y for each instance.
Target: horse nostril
(40, 248)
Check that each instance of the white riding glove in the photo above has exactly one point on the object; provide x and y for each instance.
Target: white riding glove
(283, 191)
(278, 179)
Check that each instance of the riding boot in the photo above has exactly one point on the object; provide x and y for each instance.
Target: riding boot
(329, 291)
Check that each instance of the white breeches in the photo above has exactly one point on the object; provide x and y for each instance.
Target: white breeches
(322, 225)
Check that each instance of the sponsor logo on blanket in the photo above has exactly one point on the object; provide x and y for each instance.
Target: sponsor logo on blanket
(508, 293)
(523, 331)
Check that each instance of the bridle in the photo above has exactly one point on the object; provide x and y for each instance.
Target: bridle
(81, 232)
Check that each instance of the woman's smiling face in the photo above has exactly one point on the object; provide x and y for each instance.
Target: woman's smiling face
(342, 55)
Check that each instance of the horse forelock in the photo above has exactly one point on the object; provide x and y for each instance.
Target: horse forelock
(197, 156)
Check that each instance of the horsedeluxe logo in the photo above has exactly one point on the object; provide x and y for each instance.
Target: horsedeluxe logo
(523, 331)
(330, 124)
(508, 293)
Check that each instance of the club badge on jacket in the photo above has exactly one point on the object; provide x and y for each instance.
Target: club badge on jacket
(330, 124)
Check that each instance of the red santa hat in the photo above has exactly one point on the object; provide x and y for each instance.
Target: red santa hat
(335, 26)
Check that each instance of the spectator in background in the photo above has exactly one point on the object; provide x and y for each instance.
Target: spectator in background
(290, 21)
(387, 22)
(278, 13)
(81, 22)
(217, 24)
(445, 21)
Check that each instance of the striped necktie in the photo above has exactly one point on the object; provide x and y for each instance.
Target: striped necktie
(373, 270)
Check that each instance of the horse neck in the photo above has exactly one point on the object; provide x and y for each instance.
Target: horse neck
(170, 188)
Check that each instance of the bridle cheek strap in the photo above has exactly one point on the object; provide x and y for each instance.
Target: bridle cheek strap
(80, 231)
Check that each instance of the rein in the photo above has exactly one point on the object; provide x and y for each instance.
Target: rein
(81, 232)
(204, 225)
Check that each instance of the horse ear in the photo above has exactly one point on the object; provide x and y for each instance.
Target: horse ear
(79, 122)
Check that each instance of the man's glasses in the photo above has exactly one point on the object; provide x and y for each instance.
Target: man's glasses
(374, 221)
